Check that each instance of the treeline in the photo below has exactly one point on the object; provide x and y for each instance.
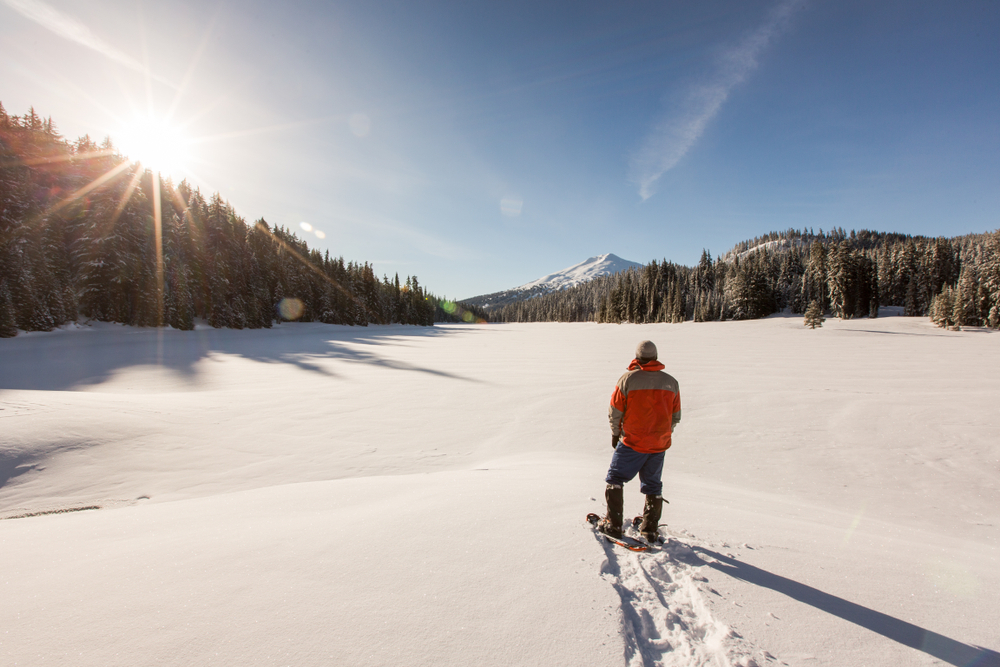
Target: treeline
(847, 275)
(446, 310)
(79, 238)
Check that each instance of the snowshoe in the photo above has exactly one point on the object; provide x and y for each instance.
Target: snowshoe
(623, 541)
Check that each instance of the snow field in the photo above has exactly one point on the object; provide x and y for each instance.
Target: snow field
(445, 568)
(317, 495)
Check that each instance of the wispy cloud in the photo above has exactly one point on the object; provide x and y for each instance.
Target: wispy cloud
(674, 135)
(511, 206)
(70, 28)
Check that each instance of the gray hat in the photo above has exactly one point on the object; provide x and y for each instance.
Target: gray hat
(645, 351)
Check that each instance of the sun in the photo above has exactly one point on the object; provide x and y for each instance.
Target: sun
(156, 145)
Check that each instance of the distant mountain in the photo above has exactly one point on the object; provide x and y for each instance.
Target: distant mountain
(585, 271)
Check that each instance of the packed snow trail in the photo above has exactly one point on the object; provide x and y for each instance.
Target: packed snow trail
(667, 621)
(665, 617)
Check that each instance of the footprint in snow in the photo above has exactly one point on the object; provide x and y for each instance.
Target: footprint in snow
(665, 616)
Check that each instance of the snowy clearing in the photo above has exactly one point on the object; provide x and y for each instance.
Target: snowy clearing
(317, 495)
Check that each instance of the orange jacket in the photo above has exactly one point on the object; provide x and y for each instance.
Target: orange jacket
(645, 407)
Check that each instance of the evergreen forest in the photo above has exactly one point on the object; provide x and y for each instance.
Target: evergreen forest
(955, 281)
(84, 233)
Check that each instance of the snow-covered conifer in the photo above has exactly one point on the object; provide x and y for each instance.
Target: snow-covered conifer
(8, 322)
(814, 315)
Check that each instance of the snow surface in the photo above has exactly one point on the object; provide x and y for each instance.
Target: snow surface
(769, 246)
(321, 495)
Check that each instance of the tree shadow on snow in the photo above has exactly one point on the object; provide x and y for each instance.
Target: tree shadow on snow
(900, 333)
(938, 646)
(14, 462)
(12, 465)
(66, 360)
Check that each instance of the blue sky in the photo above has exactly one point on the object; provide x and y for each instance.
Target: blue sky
(483, 145)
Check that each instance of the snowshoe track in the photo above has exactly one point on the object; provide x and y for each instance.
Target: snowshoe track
(665, 613)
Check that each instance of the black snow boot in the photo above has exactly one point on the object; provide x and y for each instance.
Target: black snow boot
(611, 524)
(651, 518)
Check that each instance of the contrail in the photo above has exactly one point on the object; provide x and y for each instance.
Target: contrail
(672, 137)
(70, 28)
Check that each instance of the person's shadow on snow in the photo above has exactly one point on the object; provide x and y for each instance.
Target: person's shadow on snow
(941, 647)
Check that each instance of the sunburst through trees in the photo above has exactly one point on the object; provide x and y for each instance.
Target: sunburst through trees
(84, 232)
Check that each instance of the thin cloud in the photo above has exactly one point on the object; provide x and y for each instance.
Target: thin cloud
(391, 228)
(69, 28)
(511, 206)
(673, 136)
(428, 243)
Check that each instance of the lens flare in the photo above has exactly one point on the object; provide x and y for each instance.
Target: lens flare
(511, 206)
(306, 226)
(291, 309)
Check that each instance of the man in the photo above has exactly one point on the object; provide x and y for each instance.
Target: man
(645, 408)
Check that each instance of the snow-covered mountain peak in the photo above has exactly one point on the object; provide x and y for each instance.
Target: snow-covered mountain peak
(587, 270)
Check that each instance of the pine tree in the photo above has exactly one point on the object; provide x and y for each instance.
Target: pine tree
(910, 279)
(942, 308)
(992, 279)
(873, 287)
(814, 280)
(8, 322)
(814, 315)
(966, 305)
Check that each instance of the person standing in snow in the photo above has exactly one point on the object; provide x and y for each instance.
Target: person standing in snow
(645, 408)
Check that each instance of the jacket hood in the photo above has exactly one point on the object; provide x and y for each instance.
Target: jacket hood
(653, 365)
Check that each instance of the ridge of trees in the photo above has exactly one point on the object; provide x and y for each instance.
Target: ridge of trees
(446, 310)
(77, 239)
(956, 281)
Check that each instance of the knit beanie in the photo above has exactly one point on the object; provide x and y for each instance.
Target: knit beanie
(645, 351)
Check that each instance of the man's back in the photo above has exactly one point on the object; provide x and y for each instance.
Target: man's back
(646, 404)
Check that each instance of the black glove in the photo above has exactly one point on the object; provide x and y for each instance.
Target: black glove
(614, 442)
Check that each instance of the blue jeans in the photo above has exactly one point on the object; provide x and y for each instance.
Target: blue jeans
(627, 462)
